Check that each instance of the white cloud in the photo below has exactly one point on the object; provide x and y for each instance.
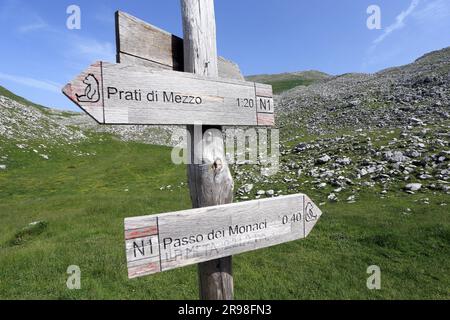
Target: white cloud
(38, 24)
(398, 24)
(20, 17)
(434, 12)
(31, 82)
(94, 49)
(87, 50)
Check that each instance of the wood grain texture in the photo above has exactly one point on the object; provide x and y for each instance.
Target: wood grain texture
(132, 94)
(137, 38)
(140, 43)
(192, 236)
(209, 176)
(135, 61)
(199, 29)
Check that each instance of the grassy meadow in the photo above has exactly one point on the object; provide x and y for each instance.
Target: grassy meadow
(284, 85)
(286, 81)
(84, 191)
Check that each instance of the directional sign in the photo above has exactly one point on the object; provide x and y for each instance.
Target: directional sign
(140, 43)
(167, 241)
(125, 94)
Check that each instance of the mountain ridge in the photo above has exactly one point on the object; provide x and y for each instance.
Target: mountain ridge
(288, 80)
(389, 98)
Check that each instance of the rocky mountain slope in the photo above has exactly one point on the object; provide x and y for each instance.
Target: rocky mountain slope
(415, 93)
(22, 120)
(47, 133)
(385, 133)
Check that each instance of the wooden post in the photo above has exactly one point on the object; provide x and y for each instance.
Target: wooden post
(210, 180)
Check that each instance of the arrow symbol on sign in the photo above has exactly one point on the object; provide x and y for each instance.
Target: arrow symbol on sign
(171, 240)
(124, 94)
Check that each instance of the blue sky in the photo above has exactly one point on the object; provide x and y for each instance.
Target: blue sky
(39, 54)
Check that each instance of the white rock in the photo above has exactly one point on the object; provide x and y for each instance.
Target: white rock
(332, 197)
(324, 159)
(344, 161)
(247, 188)
(413, 187)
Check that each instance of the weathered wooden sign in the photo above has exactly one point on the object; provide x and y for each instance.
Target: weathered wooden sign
(141, 43)
(126, 94)
(167, 241)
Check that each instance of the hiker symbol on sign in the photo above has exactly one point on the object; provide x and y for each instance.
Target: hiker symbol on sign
(310, 214)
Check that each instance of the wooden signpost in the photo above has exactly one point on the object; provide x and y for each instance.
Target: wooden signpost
(167, 241)
(209, 178)
(143, 44)
(161, 79)
(126, 94)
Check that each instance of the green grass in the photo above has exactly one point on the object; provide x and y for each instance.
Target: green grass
(82, 201)
(286, 81)
(32, 230)
(284, 85)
